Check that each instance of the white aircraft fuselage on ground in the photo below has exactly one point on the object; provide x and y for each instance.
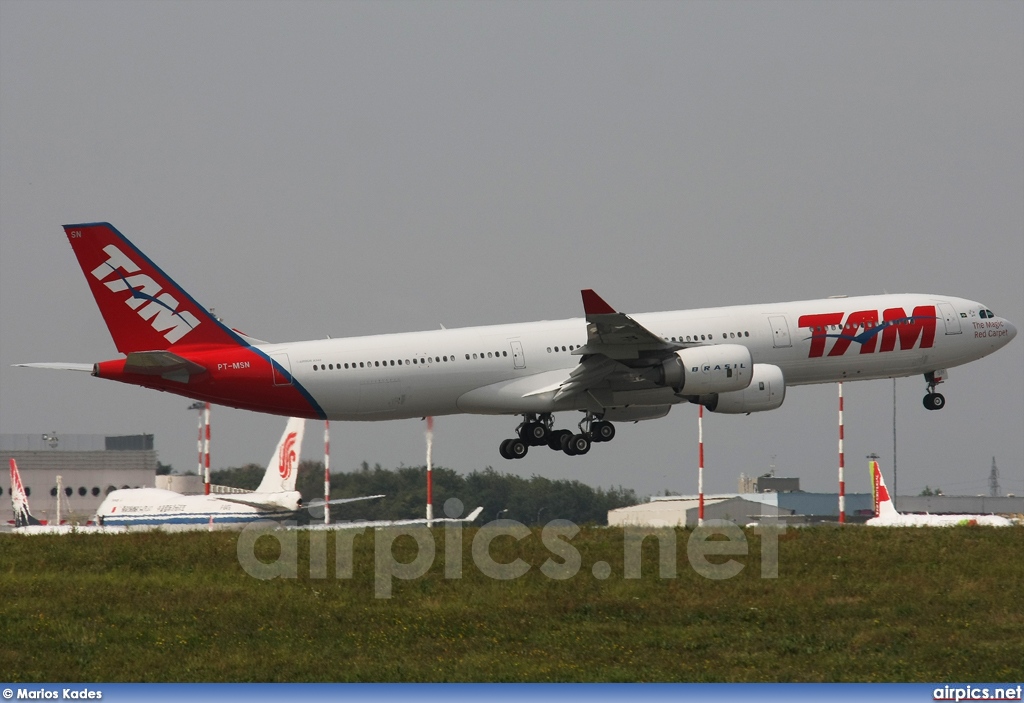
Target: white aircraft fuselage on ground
(609, 365)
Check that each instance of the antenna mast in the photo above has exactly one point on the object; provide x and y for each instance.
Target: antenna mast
(993, 481)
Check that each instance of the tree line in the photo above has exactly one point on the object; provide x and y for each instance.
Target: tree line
(534, 500)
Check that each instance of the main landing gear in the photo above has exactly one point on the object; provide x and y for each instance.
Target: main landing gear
(538, 430)
(933, 400)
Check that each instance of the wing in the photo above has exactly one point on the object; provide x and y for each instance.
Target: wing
(278, 507)
(620, 355)
(618, 347)
(617, 335)
(339, 501)
(362, 524)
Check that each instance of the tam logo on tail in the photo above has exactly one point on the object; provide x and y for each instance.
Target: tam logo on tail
(287, 456)
(145, 310)
(147, 298)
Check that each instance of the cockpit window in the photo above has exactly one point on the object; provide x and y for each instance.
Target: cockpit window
(986, 314)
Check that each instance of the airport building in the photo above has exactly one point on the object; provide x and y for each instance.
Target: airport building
(796, 507)
(684, 511)
(89, 467)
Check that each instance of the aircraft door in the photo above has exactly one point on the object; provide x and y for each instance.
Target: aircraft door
(780, 331)
(280, 362)
(951, 319)
(517, 354)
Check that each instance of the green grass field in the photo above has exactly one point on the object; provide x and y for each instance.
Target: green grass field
(853, 604)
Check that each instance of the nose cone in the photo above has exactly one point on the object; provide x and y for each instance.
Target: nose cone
(1011, 330)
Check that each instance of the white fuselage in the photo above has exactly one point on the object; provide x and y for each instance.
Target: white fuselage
(910, 520)
(134, 507)
(501, 369)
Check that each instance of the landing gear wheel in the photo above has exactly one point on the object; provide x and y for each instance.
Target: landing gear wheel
(602, 432)
(503, 449)
(934, 401)
(534, 434)
(516, 448)
(556, 441)
(577, 445)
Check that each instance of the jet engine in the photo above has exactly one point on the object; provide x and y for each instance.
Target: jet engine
(719, 368)
(766, 391)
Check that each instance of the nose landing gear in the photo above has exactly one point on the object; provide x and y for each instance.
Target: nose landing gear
(933, 400)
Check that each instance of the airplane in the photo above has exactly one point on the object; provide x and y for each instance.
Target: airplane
(25, 523)
(610, 366)
(19, 500)
(274, 499)
(886, 515)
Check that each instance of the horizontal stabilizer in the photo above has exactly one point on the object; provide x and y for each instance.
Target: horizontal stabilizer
(58, 365)
(161, 363)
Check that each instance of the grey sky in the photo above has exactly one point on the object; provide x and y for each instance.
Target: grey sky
(315, 168)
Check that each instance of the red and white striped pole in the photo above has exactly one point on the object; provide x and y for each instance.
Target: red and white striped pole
(430, 468)
(206, 476)
(842, 462)
(700, 466)
(199, 439)
(327, 472)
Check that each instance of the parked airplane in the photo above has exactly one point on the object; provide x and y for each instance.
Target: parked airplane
(886, 515)
(19, 500)
(610, 366)
(26, 524)
(274, 499)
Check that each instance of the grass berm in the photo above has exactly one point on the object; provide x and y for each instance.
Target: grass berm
(849, 604)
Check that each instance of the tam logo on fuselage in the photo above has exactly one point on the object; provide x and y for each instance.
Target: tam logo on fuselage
(286, 457)
(147, 298)
(865, 328)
